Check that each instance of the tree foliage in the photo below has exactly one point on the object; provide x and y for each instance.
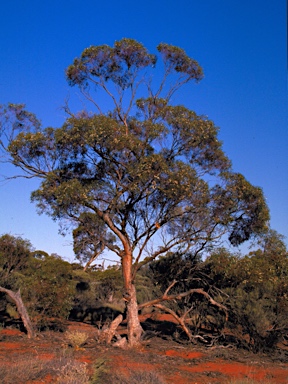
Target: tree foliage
(49, 289)
(90, 238)
(15, 254)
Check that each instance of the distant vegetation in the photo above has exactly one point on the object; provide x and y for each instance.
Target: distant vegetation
(251, 290)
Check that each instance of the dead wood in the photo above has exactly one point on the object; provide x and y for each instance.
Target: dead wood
(107, 334)
(16, 297)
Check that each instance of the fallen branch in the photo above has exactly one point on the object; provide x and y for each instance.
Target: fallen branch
(180, 320)
(179, 296)
(108, 333)
(16, 297)
(230, 346)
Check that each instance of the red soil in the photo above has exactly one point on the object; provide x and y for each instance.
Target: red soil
(173, 362)
(193, 368)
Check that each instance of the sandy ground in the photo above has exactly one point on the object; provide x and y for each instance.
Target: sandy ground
(173, 362)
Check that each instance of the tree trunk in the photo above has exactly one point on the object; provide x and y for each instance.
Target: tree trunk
(16, 297)
(133, 324)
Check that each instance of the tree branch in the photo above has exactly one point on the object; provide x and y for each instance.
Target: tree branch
(179, 296)
(16, 297)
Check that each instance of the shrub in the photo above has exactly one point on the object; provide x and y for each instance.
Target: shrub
(76, 338)
(49, 288)
(46, 283)
(101, 371)
(64, 370)
(25, 370)
(73, 372)
(255, 291)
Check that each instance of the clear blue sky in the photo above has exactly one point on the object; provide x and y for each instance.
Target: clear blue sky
(240, 44)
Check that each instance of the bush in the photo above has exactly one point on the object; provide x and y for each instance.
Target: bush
(73, 372)
(49, 289)
(64, 370)
(46, 283)
(76, 338)
(255, 290)
(24, 370)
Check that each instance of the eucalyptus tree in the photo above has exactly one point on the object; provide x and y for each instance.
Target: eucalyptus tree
(152, 174)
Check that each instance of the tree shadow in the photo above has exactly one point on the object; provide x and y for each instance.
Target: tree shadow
(163, 327)
(93, 315)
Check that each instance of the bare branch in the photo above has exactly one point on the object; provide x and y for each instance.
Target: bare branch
(16, 297)
(179, 296)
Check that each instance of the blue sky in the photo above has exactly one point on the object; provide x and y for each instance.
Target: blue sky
(241, 46)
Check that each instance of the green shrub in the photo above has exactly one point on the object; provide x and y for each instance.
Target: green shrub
(46, 283)
(76, 338)
(255, 289)
(48, 289)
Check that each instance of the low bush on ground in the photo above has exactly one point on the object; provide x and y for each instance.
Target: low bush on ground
(64, 370)
(76, 338)
(24, 370)
(69, 371)
(73, 372)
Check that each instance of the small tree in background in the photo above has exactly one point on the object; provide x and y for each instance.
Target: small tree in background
(151, 173)
(48, 288)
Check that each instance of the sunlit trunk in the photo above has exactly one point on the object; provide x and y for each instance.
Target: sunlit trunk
(134, 327)
(133, 324)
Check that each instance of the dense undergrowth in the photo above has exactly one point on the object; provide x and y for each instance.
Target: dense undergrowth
(251, 292)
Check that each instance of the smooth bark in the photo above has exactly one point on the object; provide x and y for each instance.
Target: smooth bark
(133, 324)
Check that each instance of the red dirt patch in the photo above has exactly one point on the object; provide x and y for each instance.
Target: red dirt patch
(184, 355)
(12, 345)
(239, 371)
(10, 332)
